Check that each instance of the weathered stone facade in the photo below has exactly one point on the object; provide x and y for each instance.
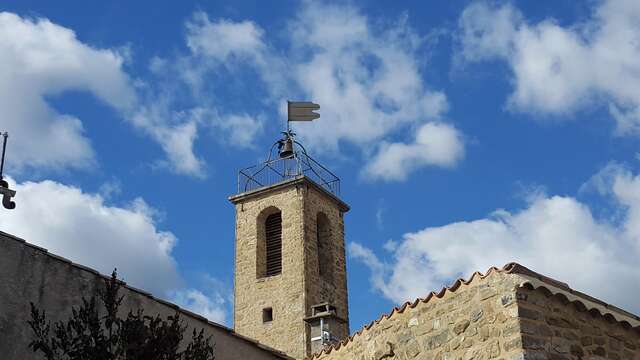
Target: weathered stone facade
(497, 316)
(554, 329)
(290, 294)
(476, 321)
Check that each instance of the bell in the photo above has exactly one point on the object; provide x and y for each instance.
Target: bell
(286, 151)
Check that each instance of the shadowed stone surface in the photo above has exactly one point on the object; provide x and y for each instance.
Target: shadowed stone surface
(54, 284)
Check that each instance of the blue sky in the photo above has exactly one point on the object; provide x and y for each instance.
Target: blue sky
(466, 135)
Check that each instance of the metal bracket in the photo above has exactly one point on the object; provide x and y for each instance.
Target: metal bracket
(7, 194)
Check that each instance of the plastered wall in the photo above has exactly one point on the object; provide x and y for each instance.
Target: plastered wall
(27, 274)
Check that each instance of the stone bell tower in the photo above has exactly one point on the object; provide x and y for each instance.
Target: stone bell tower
(290, 274)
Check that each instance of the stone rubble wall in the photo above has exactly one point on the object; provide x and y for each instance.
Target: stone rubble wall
(319, 289)
(554, 329)
(292, 293)
(284, 293)
(476, 321)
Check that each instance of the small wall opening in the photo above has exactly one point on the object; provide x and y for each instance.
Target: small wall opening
(267, 315)
(325, 250)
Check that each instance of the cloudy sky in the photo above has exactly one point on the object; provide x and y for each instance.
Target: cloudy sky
(466, 135)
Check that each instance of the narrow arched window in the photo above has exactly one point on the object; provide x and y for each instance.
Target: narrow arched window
(273, 244)
(325, 251)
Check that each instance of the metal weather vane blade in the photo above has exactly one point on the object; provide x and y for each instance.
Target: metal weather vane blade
(302, 111)
(6, 193)
(296, 111)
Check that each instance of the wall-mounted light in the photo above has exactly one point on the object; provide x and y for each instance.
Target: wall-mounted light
(6, 193)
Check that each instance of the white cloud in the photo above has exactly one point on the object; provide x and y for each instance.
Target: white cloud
(110, 188)
(368, 81)
(555, 235)
(224, 43)
(378, 269)
(391, 245)
(212, 301)
(42, 59)
(436, 144)
(380, 211)
(558, 70)
(82, 228)
(223, 40)
(173, 119)
(241, 129)
(218, 45)
(209, 306)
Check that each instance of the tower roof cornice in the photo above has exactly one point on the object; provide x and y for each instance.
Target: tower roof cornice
(298, 180)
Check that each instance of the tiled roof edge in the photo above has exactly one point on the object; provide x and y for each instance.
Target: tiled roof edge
(588, 303)
(456, 284)
(146, 294)
(510, 268)
(557, 287)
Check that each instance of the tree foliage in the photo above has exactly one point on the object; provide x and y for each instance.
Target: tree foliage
(100, 334)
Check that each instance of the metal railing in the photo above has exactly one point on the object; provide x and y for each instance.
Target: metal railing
(277, 170)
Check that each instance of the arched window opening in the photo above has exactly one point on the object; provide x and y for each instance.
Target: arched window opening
(325, 251)
(273, 244)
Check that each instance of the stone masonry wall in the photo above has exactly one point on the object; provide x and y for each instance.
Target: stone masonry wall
(476, 321)
(320, 289)
(284, 292)
(555, 329)
(291, 293)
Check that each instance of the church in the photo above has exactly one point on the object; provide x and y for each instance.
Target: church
(291, 298)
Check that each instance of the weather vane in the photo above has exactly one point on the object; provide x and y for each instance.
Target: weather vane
(291, 159)
(6, 193)
(296, 111)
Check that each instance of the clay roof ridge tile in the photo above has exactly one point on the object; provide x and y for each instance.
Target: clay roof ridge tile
(414, 303)
(582, 300)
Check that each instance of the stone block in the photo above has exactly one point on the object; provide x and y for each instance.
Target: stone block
(576, 350)
(461, 326)
(412, 349)
(527, 313)
(435, 341)
(476, 315)
(560, 345)
(534, 343)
